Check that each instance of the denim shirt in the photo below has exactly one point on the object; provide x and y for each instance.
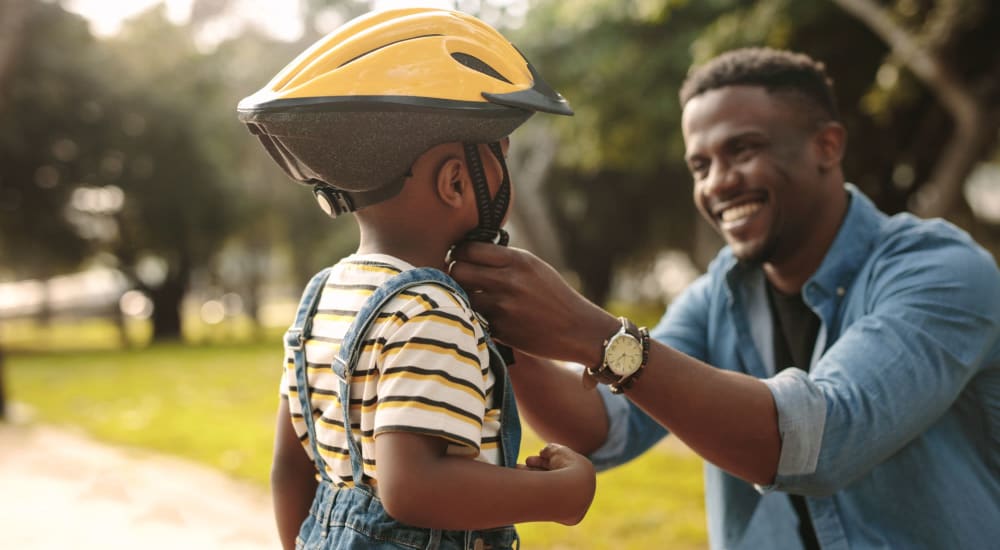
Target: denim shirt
(894, 433)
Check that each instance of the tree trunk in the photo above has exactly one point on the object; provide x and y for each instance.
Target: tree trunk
(530, 217)
(167, 300)
(117, 317)
(3, 388)
(13, 14)
(942, 193)
(975, 123)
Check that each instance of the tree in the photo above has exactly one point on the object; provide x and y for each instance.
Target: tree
(932, 43)
(44, 126)
(169, 158)
(13, 15)
(619, 190)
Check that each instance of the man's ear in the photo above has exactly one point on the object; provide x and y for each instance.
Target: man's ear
(830, 142)
(451, 184)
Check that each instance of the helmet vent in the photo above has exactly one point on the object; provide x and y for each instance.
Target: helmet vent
(479, 65)
(386, 45)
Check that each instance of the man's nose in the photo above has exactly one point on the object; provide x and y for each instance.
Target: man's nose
(721, 180)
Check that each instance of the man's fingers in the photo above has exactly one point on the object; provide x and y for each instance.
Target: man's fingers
(482, 302)
(486, 254)
(473, 276)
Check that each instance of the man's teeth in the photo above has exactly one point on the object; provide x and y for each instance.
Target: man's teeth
(741, 211)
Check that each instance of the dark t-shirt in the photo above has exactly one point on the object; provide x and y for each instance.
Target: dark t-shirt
(795, 329)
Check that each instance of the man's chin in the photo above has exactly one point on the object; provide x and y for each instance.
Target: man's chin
(750, 253)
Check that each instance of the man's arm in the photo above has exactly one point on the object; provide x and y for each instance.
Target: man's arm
(293, 479)
(553, 401)
(728, 418)
(932, 317)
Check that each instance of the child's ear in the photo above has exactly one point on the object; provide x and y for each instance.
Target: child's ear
(451, 185)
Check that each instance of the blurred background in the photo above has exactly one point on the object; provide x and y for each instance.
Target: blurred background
(151, 253)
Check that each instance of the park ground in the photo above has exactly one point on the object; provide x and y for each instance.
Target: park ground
(62, 489)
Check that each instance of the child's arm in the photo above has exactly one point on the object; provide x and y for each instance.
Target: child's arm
(293, 479)
(421, 485)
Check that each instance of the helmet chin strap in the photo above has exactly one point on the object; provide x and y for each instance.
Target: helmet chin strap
(491, 209)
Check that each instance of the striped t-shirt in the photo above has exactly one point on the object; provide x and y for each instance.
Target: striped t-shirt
(424, 368)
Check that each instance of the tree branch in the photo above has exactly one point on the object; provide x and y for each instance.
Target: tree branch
(939, 195)
(955, 97)
(13, 14)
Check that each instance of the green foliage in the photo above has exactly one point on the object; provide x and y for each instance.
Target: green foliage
(149, 114)
(621, 191)
(216, 405)
(46, 120)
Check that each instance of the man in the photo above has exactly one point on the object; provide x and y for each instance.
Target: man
(838, 369)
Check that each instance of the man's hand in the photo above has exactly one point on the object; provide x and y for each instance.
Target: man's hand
(580, 481)
(528, 304)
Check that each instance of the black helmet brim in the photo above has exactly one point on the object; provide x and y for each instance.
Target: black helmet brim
(361, 143)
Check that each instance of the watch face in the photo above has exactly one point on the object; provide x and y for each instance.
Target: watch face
(623, 355)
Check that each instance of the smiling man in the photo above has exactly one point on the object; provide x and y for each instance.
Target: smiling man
(838, 369)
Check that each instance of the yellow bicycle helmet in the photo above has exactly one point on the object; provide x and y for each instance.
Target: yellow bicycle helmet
(353, 112)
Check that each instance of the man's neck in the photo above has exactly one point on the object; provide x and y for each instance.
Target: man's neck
(788, 274)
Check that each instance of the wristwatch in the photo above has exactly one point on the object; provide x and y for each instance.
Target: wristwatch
(624, 355)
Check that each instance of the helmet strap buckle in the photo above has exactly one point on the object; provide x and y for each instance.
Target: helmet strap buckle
(333, 201)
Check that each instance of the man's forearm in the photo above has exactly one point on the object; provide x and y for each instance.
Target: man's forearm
(726, 417)
(552, 400)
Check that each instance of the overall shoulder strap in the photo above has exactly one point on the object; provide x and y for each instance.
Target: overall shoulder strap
(350, 347)
(295, 339)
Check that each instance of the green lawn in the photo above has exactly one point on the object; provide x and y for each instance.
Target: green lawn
(215, 404)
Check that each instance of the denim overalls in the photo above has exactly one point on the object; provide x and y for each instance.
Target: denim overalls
(342, 518)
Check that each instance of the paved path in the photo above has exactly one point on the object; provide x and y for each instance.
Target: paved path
(60, 490)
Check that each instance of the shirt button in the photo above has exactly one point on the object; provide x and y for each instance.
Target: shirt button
(841, 291)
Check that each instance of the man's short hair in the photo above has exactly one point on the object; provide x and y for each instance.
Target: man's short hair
(774, 70)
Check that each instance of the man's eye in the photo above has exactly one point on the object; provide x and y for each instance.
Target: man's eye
(744, 150)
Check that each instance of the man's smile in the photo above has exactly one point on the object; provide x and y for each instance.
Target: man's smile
(740, 212)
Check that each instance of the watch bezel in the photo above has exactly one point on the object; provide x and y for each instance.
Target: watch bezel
(623, 335)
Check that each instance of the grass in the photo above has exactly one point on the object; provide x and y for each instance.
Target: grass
(214, 403)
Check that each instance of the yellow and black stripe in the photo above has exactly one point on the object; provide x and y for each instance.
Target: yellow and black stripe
(423, 368)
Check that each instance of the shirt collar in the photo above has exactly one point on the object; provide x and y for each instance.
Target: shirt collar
(858, 234)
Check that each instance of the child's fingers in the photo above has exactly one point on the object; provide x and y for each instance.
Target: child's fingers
(537, 462)
(550, 450)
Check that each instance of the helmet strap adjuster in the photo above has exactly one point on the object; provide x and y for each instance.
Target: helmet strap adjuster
(333, 201)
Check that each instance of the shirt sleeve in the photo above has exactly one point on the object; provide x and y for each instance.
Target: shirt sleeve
(630, 430)
(433, 375)
(931, 317)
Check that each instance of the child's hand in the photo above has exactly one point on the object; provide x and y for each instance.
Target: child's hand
(577, 484)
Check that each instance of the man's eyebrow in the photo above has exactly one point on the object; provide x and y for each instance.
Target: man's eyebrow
(689, 157)
(744, 135)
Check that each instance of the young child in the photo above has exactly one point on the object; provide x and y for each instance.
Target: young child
(397, 426)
